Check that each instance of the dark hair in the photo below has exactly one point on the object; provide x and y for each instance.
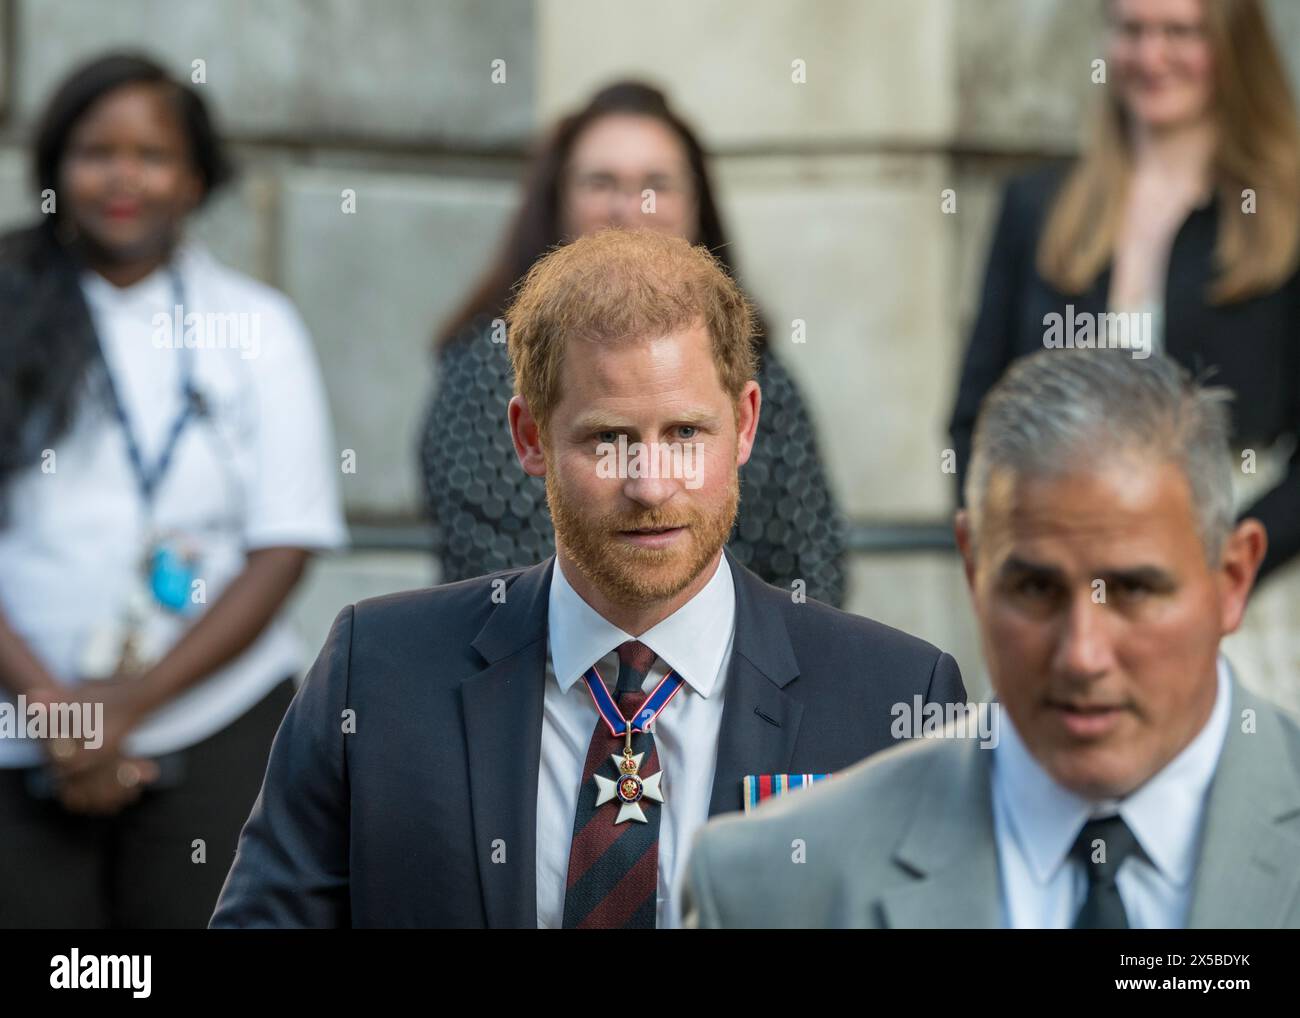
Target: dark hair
(48, 343)
(91, 82)
(536, 226)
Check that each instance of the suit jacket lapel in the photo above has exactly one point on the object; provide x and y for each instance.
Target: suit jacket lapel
(1247, 874)
(760, 721)
(503, 735)
(950, 848)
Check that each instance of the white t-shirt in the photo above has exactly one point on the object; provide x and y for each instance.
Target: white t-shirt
(257, 470)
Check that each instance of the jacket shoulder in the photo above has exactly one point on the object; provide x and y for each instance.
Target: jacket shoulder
(846, 829)
(866, 799)
(469, 598)
(1284, 723)
(434, 626)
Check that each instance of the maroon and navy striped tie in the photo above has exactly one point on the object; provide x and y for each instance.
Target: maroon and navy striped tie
(614, 868)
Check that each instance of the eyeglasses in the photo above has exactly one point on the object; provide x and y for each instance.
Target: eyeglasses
(602, 186)
(1175, 34)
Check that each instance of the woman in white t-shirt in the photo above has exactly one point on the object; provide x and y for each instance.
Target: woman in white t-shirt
(166, 468)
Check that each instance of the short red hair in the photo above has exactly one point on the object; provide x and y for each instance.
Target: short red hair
(624, 285)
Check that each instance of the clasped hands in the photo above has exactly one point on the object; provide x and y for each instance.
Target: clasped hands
(99, 780)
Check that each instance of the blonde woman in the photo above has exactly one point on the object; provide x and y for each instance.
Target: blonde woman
(1183, 212)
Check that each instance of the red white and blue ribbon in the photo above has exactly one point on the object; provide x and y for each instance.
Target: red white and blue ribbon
(758, 788)
(654, 703)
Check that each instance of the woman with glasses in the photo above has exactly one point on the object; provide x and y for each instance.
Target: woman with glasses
(625, 160)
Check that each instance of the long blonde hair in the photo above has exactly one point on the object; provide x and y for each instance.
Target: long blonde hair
(1257, 147)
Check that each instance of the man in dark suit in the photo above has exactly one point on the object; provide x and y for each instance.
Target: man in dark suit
(463, 756)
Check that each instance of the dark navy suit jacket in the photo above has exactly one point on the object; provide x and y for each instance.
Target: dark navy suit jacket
(401, 789)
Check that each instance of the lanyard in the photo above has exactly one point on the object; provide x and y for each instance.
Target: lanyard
(654, 703)
(148, 478)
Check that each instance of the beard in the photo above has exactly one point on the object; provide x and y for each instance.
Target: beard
(626, 573)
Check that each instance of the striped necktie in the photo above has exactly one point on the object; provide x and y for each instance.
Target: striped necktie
(614, 868)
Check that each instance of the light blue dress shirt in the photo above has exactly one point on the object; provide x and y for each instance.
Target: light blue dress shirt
(1036, 822)
(696, 642)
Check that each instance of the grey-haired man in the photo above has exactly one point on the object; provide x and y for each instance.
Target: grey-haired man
(1134, 781)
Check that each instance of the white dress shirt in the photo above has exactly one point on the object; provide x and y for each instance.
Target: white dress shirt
(695, 641)
(258, 470)
(1036, 822)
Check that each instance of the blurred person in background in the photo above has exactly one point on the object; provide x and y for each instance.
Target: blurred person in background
(1184, 207)
(595, 170)
(162, 484)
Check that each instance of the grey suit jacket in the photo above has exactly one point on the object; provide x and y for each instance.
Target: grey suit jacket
(906, 839)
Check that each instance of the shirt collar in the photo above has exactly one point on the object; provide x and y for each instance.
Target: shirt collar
(154, 289)
(693, 640)
(1164, 813)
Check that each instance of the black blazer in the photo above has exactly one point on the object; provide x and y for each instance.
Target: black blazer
(1252, 345)
(399, 823)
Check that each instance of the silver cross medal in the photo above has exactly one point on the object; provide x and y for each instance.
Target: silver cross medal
(630, 788)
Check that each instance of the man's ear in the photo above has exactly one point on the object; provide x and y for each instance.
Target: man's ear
(747, 409)
(1243, 551)
(527, 436)
(965, 544)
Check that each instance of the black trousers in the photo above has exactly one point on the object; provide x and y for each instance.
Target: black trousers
(138, 869)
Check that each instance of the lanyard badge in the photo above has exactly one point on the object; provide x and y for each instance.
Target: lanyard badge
(169, 566)
(171, 570)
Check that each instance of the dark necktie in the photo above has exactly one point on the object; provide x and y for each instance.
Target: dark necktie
(614, 868)
(1102, 847)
